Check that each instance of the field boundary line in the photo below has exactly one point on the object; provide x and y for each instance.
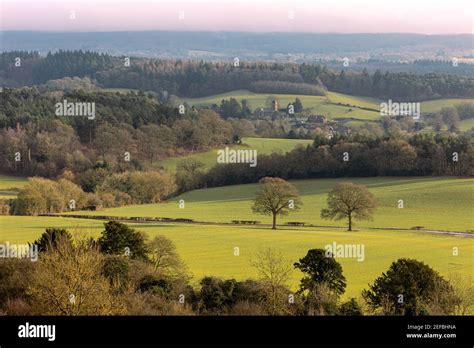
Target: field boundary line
(193, 222)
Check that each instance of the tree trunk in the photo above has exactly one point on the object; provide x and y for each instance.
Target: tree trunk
(274, 227)
(350, 222)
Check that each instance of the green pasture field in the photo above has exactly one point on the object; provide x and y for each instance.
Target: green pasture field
(326, 105)
(12, 182)
(323, 105)
(435, 203)
(9, 185)
(264, 146)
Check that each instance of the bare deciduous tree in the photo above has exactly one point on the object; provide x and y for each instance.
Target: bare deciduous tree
(274, 271)
(349, 201)
(68, 280)
(276, 196)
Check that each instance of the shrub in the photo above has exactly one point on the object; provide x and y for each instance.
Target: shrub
(68, 280)
(350, 308)
(139, 187)
(116, 269)
(410, 287)
(14, 278)
(119, 239)
(321, 269)
(51, 237)
(42, 196)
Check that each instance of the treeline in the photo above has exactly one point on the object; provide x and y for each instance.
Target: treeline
(14, 65)
(196, 79)
(349, 156)
(90, 192)
(124, 273)
(56, 147)
(400, 86)
(451, 117)
(20, 106)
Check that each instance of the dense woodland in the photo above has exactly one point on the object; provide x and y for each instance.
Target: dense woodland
(133, 123)
(198, 78)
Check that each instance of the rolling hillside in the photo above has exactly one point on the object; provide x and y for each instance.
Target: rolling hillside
(327, 105)
(207, 249)
(334, 105)
(434, 203)
(264, 146)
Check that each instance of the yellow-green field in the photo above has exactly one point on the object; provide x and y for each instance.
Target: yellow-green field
(12, 182)
(434, 203)
(209, 249)
(9, 185)
(264, 146)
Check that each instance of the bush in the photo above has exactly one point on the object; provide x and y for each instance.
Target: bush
(139, 187)
(321, 300)
(119, 239)
(14, 278)
(68, 280)
(411, 288)
(5, 207)
(156, 285)
(216, 295)
(41, 196)
(116, 269)
(321, 270)
(350, 308)
(51, 237)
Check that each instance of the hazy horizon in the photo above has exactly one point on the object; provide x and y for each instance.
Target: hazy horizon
(428, 17)
(229, 31)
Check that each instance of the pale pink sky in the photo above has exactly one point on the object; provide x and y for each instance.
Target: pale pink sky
(344, 16)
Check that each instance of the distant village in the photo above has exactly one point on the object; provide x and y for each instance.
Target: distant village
(309, 122)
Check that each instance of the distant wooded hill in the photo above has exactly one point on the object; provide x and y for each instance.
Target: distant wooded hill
(248, 46)
(199, 78)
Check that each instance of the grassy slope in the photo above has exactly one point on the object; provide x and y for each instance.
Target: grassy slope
(323, 104)
(208, 249)
(10, 184)
(318, 104)
(431, 106)
(262, 145)
(467, 124)
(435, 203)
